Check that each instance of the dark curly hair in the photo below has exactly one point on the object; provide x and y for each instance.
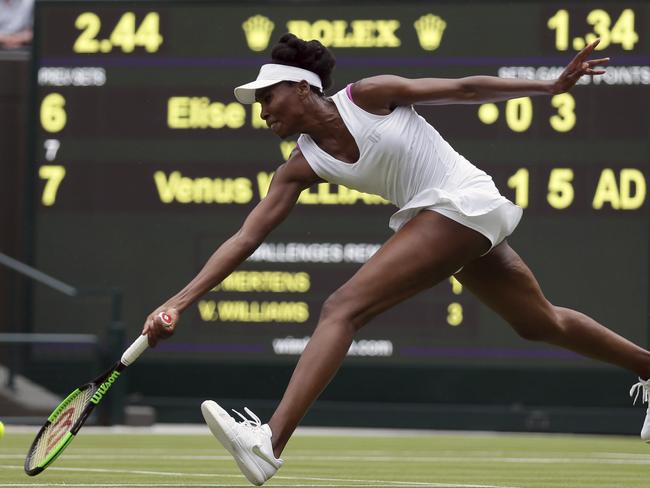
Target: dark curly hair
(310, 55)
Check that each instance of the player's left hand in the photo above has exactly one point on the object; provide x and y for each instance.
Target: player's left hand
(156, 329)
(578, 67)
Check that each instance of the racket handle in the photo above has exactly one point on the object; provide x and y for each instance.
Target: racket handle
(134, 350)
(142, 342)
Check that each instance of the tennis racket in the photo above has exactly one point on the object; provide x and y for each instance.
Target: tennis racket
(71, 414)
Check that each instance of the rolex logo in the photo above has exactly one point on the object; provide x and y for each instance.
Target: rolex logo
(258, 31)
(429, 29)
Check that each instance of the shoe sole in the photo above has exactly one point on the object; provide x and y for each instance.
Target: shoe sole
(213, 413)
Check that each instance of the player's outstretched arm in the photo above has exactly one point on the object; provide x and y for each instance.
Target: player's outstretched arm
(289, 181)
(389, 91)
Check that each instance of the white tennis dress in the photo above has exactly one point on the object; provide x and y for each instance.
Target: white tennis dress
(406, 161)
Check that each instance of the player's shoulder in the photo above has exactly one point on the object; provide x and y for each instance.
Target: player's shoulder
(377, 93)
(297, 169)
(377, 84)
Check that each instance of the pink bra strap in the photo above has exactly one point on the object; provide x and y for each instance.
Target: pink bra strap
(348, 90)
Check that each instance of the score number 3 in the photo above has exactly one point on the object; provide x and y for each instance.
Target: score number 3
(124, 35)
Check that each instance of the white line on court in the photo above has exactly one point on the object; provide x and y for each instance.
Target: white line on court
(191, 429)
(230, 485)
(346, 481)
(588, 459)
(315, 454)
(196, 485)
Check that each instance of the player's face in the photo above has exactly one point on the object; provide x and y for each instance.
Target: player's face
(281, 108)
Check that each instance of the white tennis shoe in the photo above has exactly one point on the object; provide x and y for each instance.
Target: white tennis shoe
(643, 387)
(248, 441)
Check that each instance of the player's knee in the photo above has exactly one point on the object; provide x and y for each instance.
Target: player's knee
(340, 308)
(530, 332)
(335, 308)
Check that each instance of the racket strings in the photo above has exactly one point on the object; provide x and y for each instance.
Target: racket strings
(60, 426)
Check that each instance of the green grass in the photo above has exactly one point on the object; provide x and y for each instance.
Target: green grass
(408, 461)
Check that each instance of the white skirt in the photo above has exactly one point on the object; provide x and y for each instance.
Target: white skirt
(480, 207)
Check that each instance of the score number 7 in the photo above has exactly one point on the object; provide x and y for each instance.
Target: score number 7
(53, 174)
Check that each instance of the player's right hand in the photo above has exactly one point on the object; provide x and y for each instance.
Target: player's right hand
(160, 324)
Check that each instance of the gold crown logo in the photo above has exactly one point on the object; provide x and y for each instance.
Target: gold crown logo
(429, 29)
(258, 31)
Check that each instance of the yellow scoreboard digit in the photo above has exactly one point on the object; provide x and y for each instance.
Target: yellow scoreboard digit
(126, 35)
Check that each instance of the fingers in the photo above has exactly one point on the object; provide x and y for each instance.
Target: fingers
(593, 45)
(587, 67)
(149, 331)
(595, 62)
(589, 48)
(580, 66)
(586, 51)
(148, 325)
(160, 326)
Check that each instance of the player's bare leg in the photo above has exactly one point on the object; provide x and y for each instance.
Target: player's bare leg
(425, 251)
(502, 281)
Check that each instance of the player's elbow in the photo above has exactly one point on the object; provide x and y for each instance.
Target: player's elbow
(248, 241)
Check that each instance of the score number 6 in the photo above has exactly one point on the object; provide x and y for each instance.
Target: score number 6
(53, 115)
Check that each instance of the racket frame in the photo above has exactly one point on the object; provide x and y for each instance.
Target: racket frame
(100, 386)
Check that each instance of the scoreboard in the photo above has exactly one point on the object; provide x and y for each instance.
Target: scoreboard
(144, 163)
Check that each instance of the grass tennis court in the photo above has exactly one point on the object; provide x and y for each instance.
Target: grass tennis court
(409, 460)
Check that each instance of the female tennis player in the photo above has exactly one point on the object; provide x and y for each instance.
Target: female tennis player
(451, 221)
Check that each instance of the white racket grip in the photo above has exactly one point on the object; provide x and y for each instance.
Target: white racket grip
(134, 350)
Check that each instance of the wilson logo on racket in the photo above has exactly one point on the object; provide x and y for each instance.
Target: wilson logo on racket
(104, 387)
(60, 428)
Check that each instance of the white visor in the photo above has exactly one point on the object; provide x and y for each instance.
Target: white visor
(270, 74)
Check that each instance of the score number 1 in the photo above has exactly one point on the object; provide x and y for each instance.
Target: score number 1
(53, 119)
